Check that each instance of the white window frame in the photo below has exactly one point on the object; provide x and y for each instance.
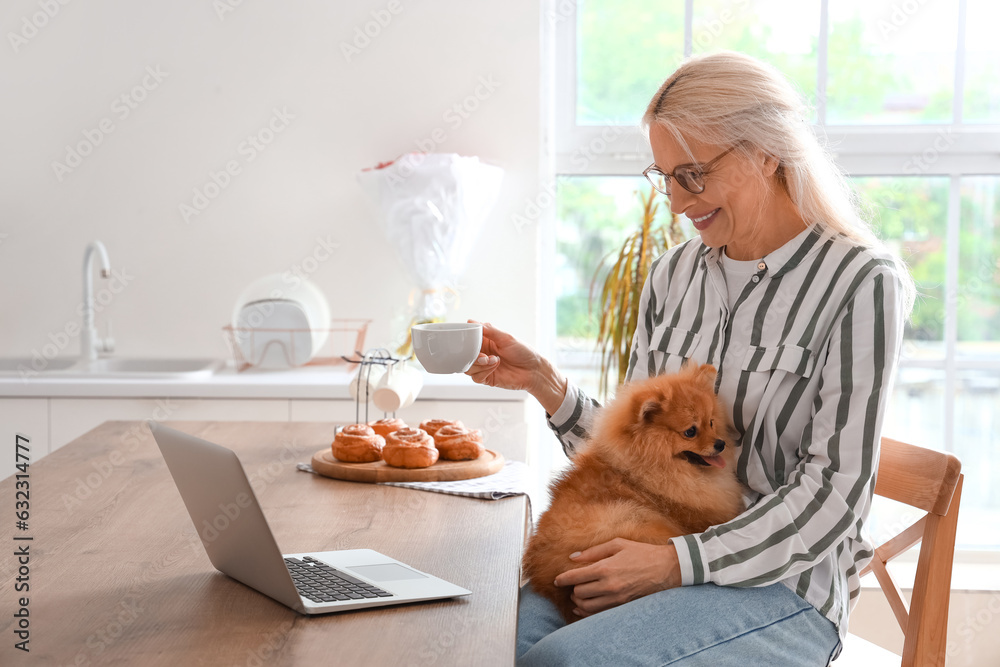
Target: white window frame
(950, 149)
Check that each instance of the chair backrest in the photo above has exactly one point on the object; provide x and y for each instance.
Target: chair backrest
(930, 481)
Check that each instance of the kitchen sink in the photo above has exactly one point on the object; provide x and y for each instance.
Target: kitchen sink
(112, 367)
(116, 366)
(27, 366)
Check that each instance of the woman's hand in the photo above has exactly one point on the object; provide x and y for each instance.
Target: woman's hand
(508, 363)
(620, 571)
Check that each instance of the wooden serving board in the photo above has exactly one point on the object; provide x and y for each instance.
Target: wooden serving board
(325, 464)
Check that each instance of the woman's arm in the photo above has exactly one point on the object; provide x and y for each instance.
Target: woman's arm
(508, 363)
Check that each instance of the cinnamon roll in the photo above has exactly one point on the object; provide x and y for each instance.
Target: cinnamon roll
(358, 443)
(410, 448)
(457, 443)
(386, 426)
(433, 425)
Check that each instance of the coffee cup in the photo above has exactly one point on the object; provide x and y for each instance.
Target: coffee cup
(398, 387)
(447, 347)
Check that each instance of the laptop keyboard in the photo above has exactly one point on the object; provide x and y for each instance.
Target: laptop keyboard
(321, 583)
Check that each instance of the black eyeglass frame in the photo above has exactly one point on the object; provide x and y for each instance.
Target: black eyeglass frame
(699, 172)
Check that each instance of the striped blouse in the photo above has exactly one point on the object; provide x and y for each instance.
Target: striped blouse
(806, 358)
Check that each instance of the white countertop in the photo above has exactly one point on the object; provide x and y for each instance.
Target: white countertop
(304, 382)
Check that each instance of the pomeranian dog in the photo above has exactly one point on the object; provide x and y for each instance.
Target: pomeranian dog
(658, 465)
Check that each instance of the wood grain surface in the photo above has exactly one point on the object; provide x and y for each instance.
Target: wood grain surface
(118, 575)
(324, 463)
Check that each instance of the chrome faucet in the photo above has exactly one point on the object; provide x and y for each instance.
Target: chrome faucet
(90, 343)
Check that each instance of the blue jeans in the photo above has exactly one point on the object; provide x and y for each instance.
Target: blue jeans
(717, 626)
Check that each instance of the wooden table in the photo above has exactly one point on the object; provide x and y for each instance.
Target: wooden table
(117, 574)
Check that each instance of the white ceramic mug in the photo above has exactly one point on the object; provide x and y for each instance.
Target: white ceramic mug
(398, 387)
(447, 347)
(366, 378)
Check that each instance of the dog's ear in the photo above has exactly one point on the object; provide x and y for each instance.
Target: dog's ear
(653, 406)
(649, 410)
(706, 375)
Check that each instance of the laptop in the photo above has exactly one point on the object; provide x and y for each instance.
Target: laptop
(232, 527)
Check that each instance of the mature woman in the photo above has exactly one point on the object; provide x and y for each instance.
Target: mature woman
(801, 310)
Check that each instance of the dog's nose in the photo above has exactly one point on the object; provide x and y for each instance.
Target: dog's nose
(720, 445)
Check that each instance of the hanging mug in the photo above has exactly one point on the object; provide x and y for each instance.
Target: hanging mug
(398, 388)
(365, 381)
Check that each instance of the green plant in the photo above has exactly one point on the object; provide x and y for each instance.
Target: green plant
(622, 287)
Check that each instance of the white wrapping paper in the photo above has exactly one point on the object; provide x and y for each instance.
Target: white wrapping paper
(431, 207)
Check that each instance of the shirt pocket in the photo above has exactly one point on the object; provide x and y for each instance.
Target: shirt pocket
(670, 347)
(773, 376)
(800, 361)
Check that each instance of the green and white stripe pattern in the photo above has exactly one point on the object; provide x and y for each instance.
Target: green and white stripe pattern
(806, 359)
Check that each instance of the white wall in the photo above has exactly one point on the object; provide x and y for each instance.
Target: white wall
(222, 75)
(973, 624)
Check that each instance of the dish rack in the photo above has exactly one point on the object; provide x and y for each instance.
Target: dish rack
(345, 341)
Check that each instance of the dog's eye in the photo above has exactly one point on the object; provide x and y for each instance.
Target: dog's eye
(711, 423)
(691, 432)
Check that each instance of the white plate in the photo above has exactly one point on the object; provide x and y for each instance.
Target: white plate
(287, 287)
(264, 347)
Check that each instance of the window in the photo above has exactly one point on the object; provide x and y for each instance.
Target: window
(905, 92)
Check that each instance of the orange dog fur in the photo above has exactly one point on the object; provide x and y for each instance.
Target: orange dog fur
(658, 465)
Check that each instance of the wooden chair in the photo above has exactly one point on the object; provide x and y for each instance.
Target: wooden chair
(930, 481)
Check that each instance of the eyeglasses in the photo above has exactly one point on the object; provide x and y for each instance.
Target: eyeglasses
(691, 177)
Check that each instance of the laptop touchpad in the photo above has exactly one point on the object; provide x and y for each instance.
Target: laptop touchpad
(387, 572)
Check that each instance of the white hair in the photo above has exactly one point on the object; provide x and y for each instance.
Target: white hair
(732, 99)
